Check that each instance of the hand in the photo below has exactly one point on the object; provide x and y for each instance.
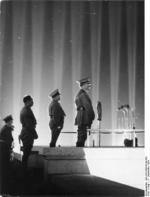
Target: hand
(12, 156)
(12, 126)
(88, 126)
(59, 128)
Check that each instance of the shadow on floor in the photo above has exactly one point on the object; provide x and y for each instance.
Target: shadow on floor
(89, 185)
(32, 183)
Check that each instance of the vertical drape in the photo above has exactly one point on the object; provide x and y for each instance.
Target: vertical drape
(51, 44)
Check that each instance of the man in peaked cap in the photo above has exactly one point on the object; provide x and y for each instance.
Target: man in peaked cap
(57, 115)
(85, 112)
(6, 146)
(28, 133)
(6, 133)
(8, 119)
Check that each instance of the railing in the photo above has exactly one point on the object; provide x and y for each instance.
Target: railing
(133, 132)
(116, 131)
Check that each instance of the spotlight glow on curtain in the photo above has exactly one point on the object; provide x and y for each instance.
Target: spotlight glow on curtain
(50, 44)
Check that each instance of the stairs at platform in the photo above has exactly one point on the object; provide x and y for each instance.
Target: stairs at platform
(60, 160)
(120, 165)
(65, 161)
(83, 171)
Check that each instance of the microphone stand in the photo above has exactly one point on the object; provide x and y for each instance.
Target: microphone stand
(99, 110)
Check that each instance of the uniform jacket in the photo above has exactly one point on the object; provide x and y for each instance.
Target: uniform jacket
(56, 114)
(28, 122)
(6, 135)
(85, 112)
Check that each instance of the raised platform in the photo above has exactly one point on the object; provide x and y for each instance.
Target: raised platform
(121, 165)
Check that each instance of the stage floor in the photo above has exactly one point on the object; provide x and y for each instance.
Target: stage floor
(119, 164)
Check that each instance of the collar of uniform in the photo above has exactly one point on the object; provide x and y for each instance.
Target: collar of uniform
(81, 90)
(54, 101)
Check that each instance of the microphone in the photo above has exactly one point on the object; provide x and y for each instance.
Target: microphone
(99, 110)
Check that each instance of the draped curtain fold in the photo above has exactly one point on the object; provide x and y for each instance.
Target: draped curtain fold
(50, 44)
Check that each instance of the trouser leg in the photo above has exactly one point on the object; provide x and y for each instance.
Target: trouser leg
(26, 153)
(82, 136)
(55, 134)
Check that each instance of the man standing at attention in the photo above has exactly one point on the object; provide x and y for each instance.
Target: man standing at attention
(6, 134)
(85, 112)
(6, 149)
(57, 115)
(28, 133)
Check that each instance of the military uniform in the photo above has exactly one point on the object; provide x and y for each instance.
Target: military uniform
(28, 133)
(85, 116)
(6, 147)
(57, 115)
(6, 136)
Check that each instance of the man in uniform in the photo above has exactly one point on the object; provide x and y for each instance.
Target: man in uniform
(85, 112)
(28, 133)
(57, 115)
(6, 134)
(6, 147)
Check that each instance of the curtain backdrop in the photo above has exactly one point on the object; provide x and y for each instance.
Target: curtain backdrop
(51, 44)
